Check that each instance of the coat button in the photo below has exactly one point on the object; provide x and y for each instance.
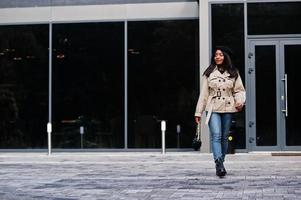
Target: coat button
(223, 98)
(219, 80)
(224, 89)
(229, 103)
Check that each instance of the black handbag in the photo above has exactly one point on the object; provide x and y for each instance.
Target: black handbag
(196, 142)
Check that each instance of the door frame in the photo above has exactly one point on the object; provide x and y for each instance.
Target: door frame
(279, 43)
(282, 43)
(251, 94)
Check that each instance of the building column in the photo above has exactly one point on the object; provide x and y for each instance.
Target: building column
(204, 62)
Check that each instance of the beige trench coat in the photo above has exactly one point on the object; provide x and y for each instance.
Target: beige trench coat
(220, 93)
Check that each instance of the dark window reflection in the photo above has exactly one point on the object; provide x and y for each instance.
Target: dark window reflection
(292, 53)
(23, 86)
(88, 78)
(228, 30)
(163, 74)
(266, 121)
(274, 18)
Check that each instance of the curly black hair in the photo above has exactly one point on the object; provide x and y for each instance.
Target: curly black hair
(226, 65)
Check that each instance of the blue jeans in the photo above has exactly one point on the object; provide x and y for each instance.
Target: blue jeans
(219, 126)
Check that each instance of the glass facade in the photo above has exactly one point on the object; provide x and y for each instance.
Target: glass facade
(291, 53)
(23, 86)
(162, 73)
(88, 91)
(228, 30)
(163, 76)
(88, 85)
(274, 18)
(266, 127)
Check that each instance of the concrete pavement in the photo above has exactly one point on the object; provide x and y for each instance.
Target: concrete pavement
(149, 176)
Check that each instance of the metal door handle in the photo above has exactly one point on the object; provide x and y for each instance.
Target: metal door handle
(285, 92)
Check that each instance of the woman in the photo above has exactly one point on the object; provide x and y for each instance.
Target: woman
(222, 94)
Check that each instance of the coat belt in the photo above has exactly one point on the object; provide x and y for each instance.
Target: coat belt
(210, 102)
(209, 109)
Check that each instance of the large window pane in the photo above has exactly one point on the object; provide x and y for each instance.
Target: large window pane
(163, 76)
(291, 55)
(266, 121)
(228, 30)
(88, 78)
(23, 86)
(274, 18)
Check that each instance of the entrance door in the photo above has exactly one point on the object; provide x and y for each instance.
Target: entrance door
(273, 70)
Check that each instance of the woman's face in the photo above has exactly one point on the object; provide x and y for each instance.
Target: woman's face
(219, 57)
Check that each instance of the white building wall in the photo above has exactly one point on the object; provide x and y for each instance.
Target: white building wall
(204, 61)
(116, 12)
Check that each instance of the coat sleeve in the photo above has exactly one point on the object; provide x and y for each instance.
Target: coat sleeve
(202, 98)
(239, 92)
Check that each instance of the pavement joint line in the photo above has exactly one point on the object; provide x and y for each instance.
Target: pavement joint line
(135, 162)
(200, 178)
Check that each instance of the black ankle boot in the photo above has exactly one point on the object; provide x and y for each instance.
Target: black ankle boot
(220, 169)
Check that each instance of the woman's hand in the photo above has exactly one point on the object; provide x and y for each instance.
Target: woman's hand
(197, 119)
(239, 106)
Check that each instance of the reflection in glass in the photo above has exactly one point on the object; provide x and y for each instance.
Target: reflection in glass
(266, 121)
(163, 75)
(23, 86)
(292, 69)
(88, 92)
(274, 18)
(230, 32)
